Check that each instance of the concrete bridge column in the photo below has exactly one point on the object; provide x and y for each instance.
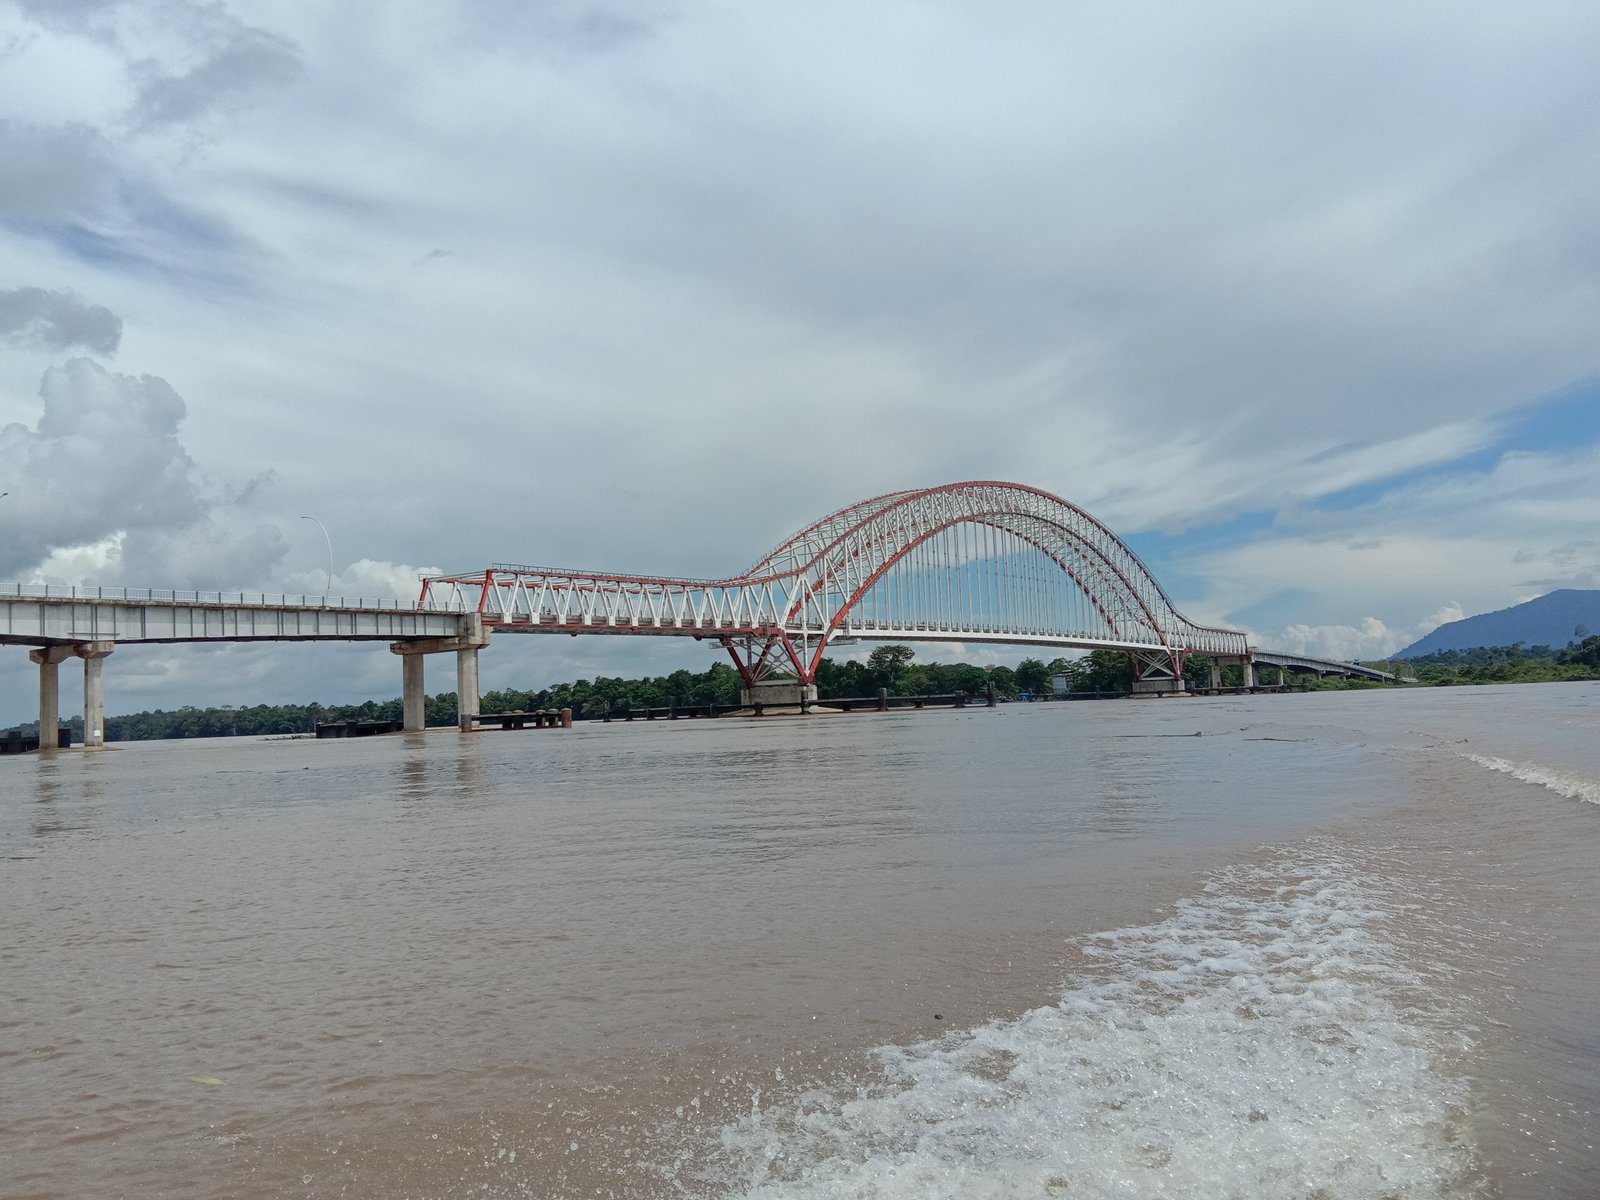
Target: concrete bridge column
(1216, 675)
(467, 687)
(1248, 665)
(50, 659)
(94, 691)
(413, 699)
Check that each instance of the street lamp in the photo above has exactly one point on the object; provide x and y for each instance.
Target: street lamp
(329, 540)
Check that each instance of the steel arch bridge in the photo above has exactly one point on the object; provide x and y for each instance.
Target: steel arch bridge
(965, 562)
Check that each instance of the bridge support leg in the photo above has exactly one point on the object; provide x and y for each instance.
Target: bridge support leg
(94, 692)
(50, 659)
(413, 699)
(1216, 676)
(472, 639)
(467, 688)
(1248, 667)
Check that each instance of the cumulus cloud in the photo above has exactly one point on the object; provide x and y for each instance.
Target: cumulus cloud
(1444, 615)
(57, 320)
(1370, 640)
(104, 478)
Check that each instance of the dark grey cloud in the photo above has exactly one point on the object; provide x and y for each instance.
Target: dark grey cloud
(563, 25)
(57, 321)
(202, 59)
(51, 173)
(238, 61)
(206, 554)
(90, 17)
(66, 13)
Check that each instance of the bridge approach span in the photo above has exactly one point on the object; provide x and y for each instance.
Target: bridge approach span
(38, 615)
(1305, 663)
(62, 623)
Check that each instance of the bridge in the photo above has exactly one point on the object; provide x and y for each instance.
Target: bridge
(978, 562)
(1306, 664)
(984, 562)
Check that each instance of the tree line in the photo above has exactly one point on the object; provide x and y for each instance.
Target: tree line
(889, 667)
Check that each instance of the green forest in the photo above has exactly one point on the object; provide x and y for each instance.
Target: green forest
(1510, 664)
(891, 667)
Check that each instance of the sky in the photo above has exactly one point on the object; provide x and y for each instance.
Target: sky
(1302, 300)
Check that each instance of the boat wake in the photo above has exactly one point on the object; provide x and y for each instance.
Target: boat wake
(1263, 1040)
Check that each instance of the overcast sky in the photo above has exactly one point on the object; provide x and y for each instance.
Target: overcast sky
(1303, 300)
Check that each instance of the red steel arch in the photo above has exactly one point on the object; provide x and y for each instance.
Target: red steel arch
(977, 561)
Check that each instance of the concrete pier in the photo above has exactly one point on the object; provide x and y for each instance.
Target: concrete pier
(778, 693)
(412, 696)
(467, 688)
(94, 692)
(50, 659)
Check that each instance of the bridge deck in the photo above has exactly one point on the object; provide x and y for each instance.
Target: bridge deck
(42, 615)
(1324, 666)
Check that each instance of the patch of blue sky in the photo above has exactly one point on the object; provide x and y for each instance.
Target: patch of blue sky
(146, 258)
(1564, 421)
(1267, 612)
(1171, 555)
(152, 237)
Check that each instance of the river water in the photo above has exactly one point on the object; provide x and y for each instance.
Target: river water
(1337, 945)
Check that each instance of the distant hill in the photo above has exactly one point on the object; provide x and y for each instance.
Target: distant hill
(1547, 621)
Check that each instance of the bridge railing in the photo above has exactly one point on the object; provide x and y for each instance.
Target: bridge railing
(52, 591)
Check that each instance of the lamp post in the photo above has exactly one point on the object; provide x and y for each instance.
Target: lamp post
(329, 540)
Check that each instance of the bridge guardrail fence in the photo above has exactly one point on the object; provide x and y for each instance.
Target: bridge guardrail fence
(51, 591)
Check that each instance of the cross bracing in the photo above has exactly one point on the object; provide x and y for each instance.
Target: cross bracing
(970, 562)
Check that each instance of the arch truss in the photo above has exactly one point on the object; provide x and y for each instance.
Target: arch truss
(966, 562)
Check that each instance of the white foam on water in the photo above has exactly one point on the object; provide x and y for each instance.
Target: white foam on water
(1261, 1042)
(1562, 783)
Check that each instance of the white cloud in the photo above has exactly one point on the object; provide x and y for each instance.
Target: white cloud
(1372, 639)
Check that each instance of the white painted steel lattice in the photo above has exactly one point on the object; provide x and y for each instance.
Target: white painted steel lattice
(967, 562)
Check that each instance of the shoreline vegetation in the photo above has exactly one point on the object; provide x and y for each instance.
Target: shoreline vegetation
(891, 667)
